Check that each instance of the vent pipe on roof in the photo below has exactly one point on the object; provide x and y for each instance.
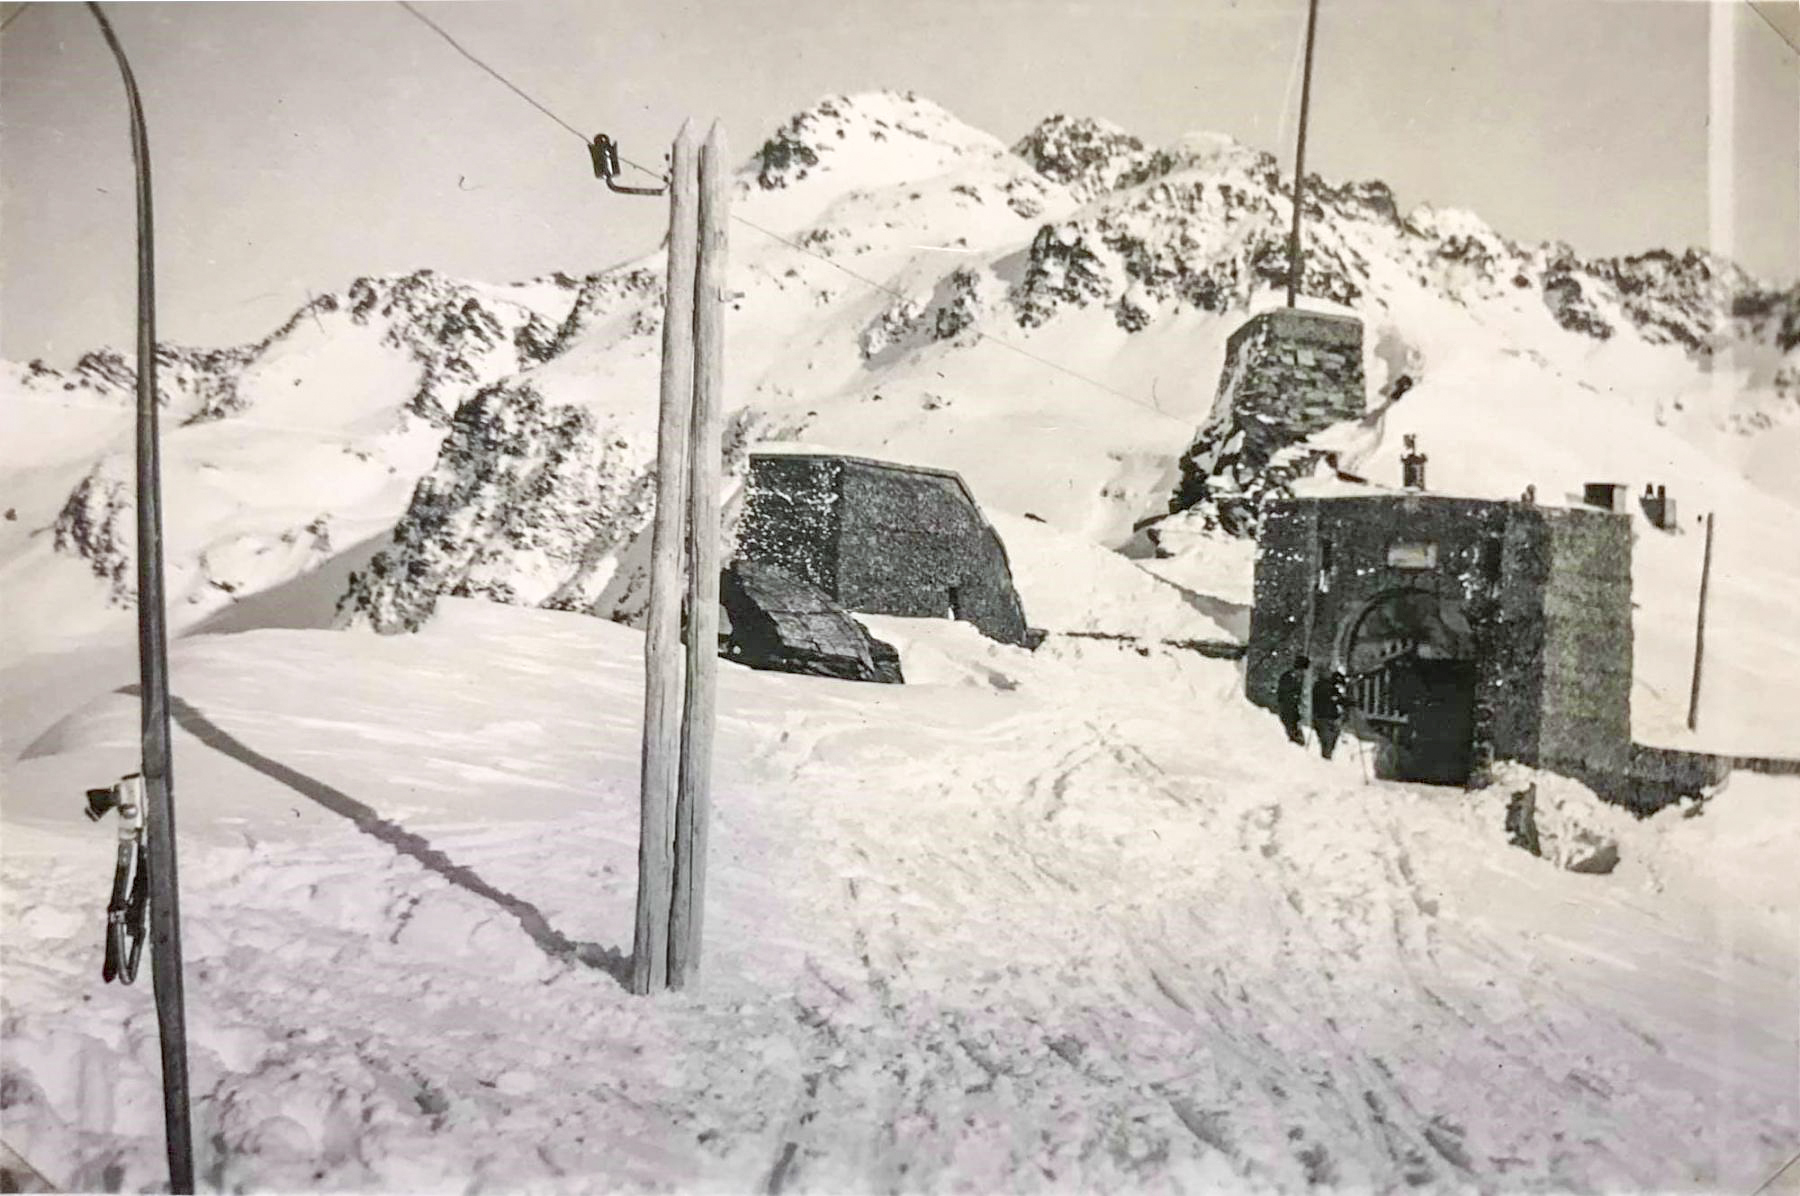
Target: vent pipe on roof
(1412, 465)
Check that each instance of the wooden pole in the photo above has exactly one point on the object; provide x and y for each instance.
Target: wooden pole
(1294, 257)
(153, 671)
(1700, 628)
(694, 806)
(659, 775)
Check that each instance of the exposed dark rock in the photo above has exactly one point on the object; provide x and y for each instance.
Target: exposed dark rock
(98, 524)
(1184, 241)
(1086, 155)
(1774, 310)
(1521, 820)
(1571, 308)
(1592, 854)
(781, 623)
(524, 496)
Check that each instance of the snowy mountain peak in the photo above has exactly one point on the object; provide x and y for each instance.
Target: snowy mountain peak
(842, 130)
(1086, 154)
(915, 252)
(849, 143)
(1092, 157)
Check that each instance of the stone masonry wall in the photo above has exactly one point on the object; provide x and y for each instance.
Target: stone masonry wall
(913, 542)
(1585, 705)
(881, 538)
(1511, 686)
(790, 516)
(1297, 537)
(1287, 374)
(1547, 593)
(1284, 571)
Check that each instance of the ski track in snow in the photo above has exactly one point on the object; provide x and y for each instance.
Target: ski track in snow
(1073, 920)
(976, 936)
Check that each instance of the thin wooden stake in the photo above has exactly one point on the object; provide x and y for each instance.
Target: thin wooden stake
(662, 646)
(153, 672)
(694, 806)
(1700, 628)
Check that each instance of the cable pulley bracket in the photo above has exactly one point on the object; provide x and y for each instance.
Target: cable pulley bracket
(604, 152)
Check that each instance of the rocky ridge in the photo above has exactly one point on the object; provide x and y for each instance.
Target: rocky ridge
(540, 486)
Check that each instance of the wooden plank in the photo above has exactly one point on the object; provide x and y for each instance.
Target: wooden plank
(694, 807)
(663, 662)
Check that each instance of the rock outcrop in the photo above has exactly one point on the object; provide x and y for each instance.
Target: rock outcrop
(526, 499)
(900, 244)
(98, 524)
(782, 623)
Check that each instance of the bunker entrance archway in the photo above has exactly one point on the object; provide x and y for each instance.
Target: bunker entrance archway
(1409, 655)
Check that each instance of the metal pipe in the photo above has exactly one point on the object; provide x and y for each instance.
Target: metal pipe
(153, 669)
(1293, 287)
(1693, 719)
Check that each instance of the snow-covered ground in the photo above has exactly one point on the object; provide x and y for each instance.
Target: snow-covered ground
(1072, 919)
(1103, 942)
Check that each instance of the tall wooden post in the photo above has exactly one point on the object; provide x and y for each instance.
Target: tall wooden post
(694, 807)
(1294, 256)
(659, 777)
(1700, 628)
(153, 671)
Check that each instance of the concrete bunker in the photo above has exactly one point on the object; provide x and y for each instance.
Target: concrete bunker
(1470, 631)
(881, 538)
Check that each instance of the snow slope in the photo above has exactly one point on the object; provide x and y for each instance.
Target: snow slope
(1097, 944)
(1047, 320)
(277, 457)
(1072, 919)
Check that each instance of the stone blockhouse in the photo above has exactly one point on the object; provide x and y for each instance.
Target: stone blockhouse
(1471, 631)
(881, 538)
(1287, 374)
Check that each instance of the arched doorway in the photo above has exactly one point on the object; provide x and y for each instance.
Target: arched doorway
(1409, 655)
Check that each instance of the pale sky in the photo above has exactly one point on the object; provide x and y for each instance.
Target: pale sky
(299, 145)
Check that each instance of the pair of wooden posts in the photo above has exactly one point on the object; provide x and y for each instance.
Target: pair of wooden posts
(679, 684)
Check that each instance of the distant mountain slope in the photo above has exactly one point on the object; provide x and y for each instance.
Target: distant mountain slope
(1048, 320)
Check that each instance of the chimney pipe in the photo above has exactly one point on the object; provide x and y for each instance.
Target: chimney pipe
(1413, 465)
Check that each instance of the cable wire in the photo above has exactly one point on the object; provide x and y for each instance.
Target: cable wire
(798, 248)
(16, 14)
(507, 83)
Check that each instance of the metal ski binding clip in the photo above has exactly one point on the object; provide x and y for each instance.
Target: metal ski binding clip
(126, 912)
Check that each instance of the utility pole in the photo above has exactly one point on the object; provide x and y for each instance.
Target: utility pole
(1294, 256)
(679, 684)
(153, 670)
(1693, 720)
(663, 657)
(693, 810)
